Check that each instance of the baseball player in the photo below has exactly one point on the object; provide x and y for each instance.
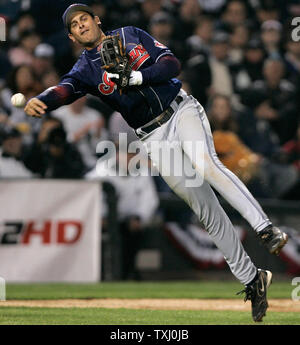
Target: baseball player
(144, 90)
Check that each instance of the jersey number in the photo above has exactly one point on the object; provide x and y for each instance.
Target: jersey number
(108, 86)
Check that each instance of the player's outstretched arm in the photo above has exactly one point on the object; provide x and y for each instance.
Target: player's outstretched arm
(53, 98)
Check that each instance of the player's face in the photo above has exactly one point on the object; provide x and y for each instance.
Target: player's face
(84, 29)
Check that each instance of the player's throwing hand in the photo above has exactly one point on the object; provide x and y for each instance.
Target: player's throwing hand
(35, 108)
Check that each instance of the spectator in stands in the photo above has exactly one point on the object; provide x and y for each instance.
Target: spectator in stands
(189, 11)
(43, 60)
(11, 164)
(218, 62)
(250, 69)
(200, 41)
(58, 158)
(274, 100)
(270, 108)
(263, 177)
(271, 32)
(150, 7)
(161, 27)
(198, 72)
(238, 39)
(21, 79)
(212, 7)
(235, 14)
(84, 127)
(24, 23)
(51, 156)
(23, 53)
(63, 160)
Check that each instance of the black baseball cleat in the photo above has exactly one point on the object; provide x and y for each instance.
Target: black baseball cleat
(273, 238)
(257, 293)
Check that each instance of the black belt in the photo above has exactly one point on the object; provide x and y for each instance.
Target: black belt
(160, 119)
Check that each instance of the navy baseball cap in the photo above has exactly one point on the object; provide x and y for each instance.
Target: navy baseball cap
(72, 9)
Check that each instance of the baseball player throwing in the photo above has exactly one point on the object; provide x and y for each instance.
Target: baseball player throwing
(135, 75)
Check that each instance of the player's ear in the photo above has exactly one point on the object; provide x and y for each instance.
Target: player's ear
(97, 20)
(71, 37)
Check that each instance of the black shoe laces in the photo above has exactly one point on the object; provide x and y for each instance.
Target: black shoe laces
(248, 293)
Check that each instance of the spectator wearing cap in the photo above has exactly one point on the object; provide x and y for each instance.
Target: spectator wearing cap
(209, 74)
(271, 33)
(63, 160)
(11, 164)
(212, 7)
(250, 68)
(161, 27)
(43, 59)
(51, 155)
(218, 62)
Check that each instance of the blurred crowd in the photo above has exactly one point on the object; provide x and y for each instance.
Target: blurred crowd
(238, 59)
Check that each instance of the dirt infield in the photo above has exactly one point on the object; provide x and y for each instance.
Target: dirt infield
(281, 305)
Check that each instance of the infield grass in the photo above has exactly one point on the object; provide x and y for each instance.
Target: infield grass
(97, 316)
(173, 289)
(122, 316)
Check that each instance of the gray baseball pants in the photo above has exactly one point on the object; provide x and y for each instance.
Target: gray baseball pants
(189, 124)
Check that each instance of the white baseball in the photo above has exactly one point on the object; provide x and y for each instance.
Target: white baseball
(18, 100)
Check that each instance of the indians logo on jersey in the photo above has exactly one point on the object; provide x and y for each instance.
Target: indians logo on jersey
(159, 45)
(137, 56)
(107, 87)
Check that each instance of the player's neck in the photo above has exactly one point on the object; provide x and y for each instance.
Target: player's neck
(97, 42)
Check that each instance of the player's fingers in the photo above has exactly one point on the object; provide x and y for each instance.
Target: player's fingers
(38, 109)
(40, 103)
(35, 110)
(32, 112)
